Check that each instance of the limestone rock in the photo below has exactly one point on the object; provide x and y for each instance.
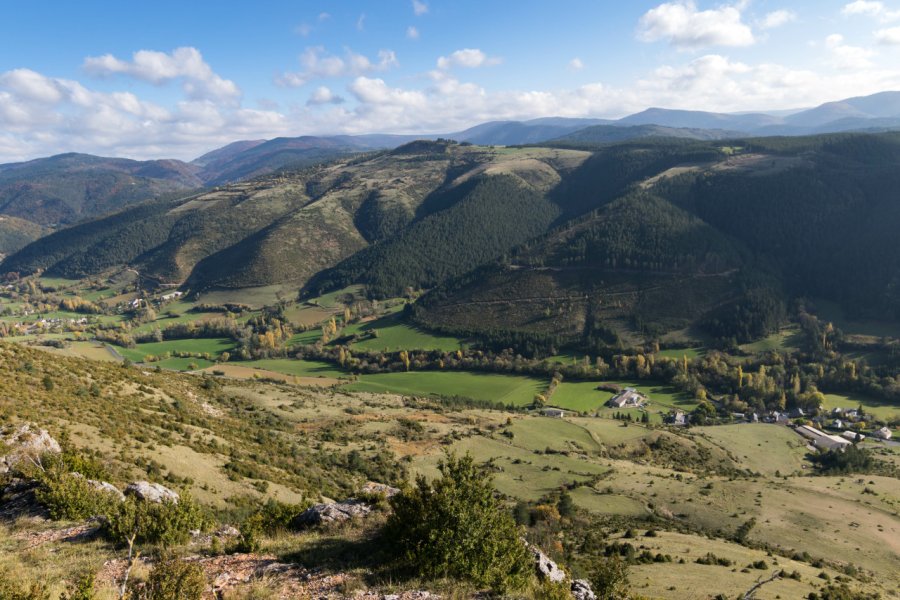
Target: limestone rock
(546, 568)
(102, 486)
(333, 513)
(581, 590)
(151, 492)
(387, 491)
(25, 443)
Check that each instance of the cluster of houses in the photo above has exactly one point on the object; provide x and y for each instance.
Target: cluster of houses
(139, 302)
(32, 327)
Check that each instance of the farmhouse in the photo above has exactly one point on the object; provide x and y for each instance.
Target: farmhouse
(883, 433)
(172, 296)
(852, 436)
(630, 398)
(679, 418)
(820, 439)
(554, 412)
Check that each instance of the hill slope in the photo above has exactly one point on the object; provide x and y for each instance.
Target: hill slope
(66, 188)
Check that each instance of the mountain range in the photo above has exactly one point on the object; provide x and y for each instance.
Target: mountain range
(610, 243)
(64, 189)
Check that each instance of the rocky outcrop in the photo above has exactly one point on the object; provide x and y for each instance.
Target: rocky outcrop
(380, 488)
(151, 492)
(102, 486)
(25, 443)
(336, 512)
(581, 590)
(546, 568)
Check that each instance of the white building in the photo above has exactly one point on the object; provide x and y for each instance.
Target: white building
(630, 398)
(554, 412)
(820, 439)
(883, 433)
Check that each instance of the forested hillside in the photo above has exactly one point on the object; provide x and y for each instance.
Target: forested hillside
(594, 243)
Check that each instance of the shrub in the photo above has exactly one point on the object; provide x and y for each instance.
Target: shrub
(12, 591)
(609, 578)
(70, 496)
(175, 579)
(455, 527)
(166, 524)
(81, 589)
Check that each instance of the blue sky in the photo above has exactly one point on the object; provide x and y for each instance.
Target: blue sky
(174, 79)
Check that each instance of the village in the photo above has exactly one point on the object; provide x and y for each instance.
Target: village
(825, 430)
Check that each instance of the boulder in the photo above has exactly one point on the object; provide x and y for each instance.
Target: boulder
(546, 568)
(335, 512)
(151, 492)
(379, 488)
(24, 443)
(581, 590)
(102, 486)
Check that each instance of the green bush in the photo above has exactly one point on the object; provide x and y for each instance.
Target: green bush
(609, 578)
(175, 579)
(81, 589)
(455, 527)
(12, 591)
(165, 524)
(70, 496)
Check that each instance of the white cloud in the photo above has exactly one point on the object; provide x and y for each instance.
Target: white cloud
(470, 58)
(187, 64)
(684, 26)
(412, 33)
(361, 22)
(889, 36)
(419, 8)
(303, 29)
(324, 16)
(318, 64)
(845, 56)
(777, 19)
(870, 8)
(575, 64)
(323, 95)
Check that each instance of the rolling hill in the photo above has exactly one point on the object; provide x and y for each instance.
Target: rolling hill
(66, 188)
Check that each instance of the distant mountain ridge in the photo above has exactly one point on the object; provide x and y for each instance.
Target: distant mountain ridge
(64, 189)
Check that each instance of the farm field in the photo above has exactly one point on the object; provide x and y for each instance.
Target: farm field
(89, 350)
(786, 340)
(214, 346)
(512, 390)
(298, 368)
(583, 396)
(394, 335)
(760, 447)
(882, 410)
(679, 353)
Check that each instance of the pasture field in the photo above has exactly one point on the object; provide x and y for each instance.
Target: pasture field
(518, 472)
(760, 447)
(881, 409)
(692, 581)
(679, 353)
(786, 340)
(255, 297)
(214, 346)
(512, 390)
(307, 316)
(583, 396)
(333, 300)
(298, 368)
(830, 311)
(394, 335)
(89, 350)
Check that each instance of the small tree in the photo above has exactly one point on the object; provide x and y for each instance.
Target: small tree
(609, 578)
(455, 527)
(175, 579)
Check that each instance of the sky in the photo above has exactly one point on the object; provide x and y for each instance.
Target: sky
(169, 79)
